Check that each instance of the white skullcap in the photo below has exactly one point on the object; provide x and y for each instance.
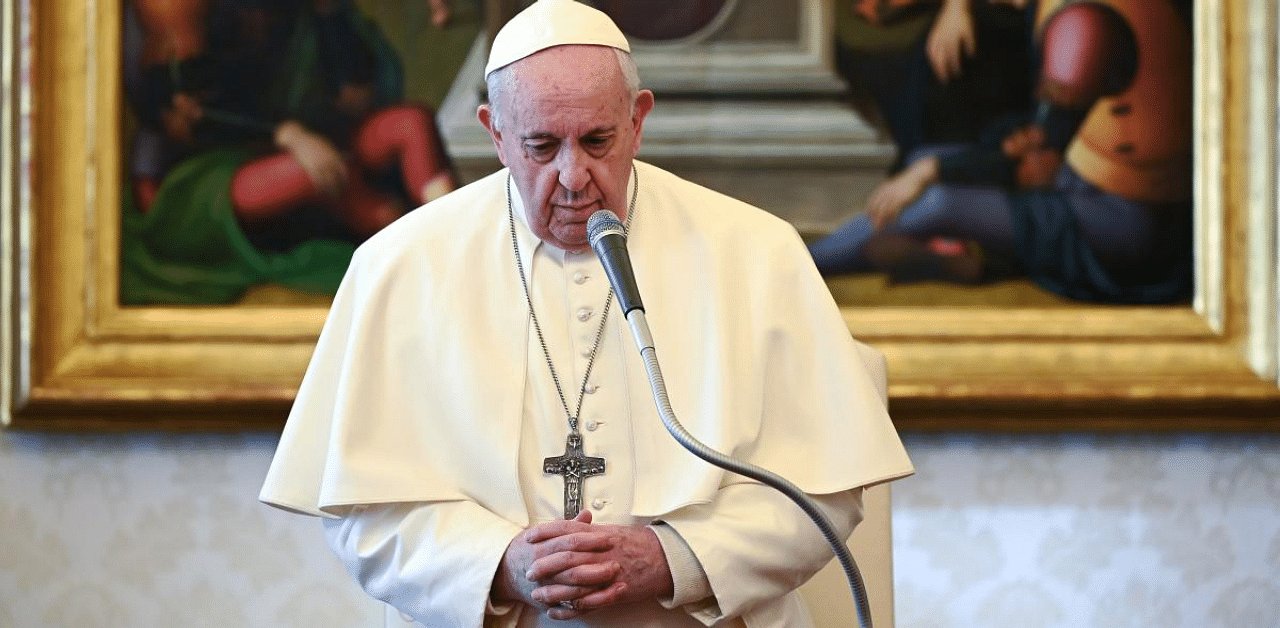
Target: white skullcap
(548, 23)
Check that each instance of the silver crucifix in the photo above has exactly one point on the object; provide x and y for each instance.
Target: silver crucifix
(575, 467)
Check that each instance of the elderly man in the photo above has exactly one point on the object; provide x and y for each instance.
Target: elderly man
(479, 436)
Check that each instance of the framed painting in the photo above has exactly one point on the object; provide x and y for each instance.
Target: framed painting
(78, 355)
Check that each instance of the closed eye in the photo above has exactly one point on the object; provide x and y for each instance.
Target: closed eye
(541, 150)
(597, 143)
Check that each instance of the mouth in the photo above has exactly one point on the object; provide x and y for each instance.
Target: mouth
(576, 214)
(576, 209)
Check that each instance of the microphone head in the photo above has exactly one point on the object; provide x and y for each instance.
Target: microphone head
(602, 223)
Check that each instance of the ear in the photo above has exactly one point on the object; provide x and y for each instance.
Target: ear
(644, 104)
(485, 114)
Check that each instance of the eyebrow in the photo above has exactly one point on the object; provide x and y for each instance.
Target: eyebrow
(545, 135)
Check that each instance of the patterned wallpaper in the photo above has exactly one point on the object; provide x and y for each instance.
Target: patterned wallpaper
(141, 531)
(1103, 531)
(138, 531)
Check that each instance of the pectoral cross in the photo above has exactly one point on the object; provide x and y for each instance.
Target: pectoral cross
(575, 467)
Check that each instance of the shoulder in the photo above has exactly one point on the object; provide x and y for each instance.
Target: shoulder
(440, 231)
(711, 214)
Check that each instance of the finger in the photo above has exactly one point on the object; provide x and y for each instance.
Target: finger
(337, 171)
(877, 199)
(938, 62)
(888, 212)
(581, 568)
(874, 214)
(584, 516)
(553, 529)
(602, 598)
(330, 185)
(341, 169)
(594, 575)
(325, 186)
(955, 57)
(1035, 136)
(319, 172)
(554, 594)
(593, 540)
(880, 219)
(561, 613)
(1008, 147)
(880, 208)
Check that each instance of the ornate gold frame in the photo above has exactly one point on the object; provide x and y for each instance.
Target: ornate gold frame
(75, 359)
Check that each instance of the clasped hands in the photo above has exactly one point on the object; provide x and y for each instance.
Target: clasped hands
(572, 567)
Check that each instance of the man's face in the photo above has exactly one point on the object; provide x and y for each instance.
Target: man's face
(568, 134)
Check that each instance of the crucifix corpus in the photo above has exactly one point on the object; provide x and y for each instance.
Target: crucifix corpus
(575, 467)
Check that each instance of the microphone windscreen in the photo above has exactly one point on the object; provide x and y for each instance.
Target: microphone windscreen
(602, 222)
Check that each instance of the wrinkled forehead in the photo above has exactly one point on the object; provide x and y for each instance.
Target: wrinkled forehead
(578, 77)
(569, 64)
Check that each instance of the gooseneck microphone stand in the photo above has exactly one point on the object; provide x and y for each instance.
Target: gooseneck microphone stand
(608, 239)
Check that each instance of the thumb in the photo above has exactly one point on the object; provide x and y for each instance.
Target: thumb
(584, 516)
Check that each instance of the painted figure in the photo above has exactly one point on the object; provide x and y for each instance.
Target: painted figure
(1090, 198)
(272, 137)
(935, 71)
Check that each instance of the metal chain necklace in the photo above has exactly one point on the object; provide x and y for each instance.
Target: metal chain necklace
(574, 465)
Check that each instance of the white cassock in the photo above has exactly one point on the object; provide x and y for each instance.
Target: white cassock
(421, 425)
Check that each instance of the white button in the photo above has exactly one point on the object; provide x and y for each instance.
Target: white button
(579, 278)
(584, 313)
(597, 504)
(592, 425)
(592, 388)
(586, 352)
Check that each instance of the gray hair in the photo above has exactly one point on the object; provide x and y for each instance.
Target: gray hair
(502, 80)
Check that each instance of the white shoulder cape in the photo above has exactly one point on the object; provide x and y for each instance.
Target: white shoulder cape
(415, 389)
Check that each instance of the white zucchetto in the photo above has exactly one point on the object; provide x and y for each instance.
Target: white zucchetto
(548, 23)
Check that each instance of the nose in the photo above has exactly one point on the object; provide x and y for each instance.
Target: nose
(574, 172)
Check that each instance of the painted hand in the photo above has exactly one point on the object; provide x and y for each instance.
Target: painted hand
(951, 39)
(888, 200)
(1037, 164)
(317, 156)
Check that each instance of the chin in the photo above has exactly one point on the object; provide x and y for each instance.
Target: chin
(573, 238)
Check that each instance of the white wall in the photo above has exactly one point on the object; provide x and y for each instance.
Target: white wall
(138, 531)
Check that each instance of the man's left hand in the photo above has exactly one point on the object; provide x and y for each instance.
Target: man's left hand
(642, 571)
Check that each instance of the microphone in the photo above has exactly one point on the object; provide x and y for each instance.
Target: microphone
(608, 237)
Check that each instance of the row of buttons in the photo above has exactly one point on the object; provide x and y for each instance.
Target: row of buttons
(584, 315)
